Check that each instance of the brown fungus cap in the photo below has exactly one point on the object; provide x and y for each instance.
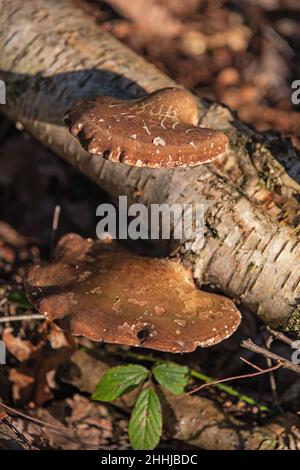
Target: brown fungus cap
(104, 292)
(159, 130)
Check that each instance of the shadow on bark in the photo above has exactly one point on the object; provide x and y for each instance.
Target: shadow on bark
(54, 99)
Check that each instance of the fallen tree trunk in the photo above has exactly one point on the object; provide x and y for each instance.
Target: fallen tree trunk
(53, 54)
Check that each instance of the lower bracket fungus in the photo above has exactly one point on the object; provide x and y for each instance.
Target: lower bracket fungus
(101, 290)
(159, 130)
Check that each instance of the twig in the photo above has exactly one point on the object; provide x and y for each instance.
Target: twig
(248, 344)
(32, 316)
(280, 336)
(272, 379)
(34, 420)
(236, 377)
(54, 227)
(250, 363)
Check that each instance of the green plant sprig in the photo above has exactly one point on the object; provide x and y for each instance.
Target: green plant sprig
(145, 424)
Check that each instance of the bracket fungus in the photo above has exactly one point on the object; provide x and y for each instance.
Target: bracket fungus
(101, 290)
(159, 130)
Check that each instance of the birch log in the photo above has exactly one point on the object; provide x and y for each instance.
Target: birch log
(52, 54)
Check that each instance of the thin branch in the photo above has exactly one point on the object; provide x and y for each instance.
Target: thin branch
(236, 377)
(32, 316)
(248, 344)
(54, 228)
(250, 363)
(34, 420)
(282, 337)
(272, 379)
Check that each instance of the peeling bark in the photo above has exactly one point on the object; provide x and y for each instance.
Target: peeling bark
(53, 55)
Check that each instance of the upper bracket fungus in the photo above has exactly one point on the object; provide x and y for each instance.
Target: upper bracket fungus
(159, 130)
(100, 290)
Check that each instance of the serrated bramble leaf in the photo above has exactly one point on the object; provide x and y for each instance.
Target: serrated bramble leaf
(145, 425)
(119, 380)
(172, 376)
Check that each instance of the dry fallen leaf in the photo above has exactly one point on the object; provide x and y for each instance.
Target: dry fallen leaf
(21, 385)
(19, 348)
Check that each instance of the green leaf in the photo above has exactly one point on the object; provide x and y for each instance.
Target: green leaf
(145, 425)
(172, 376)
(119, 380)
(20, 298)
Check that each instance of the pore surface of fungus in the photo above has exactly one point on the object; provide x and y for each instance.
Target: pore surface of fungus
(159, 130)
(100, 290)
